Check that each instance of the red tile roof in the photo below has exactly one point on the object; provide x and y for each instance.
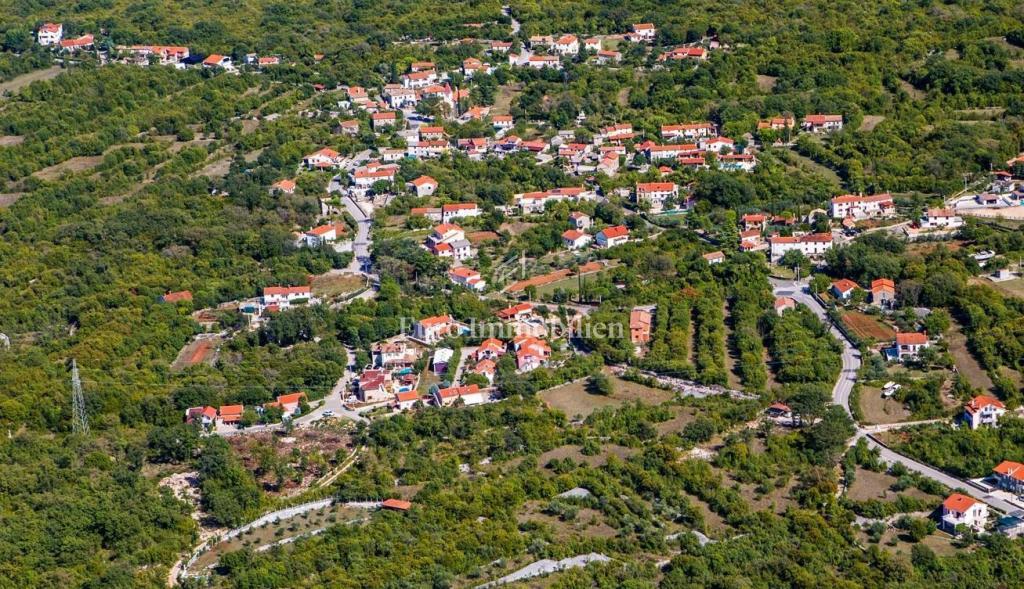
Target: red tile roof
(981, 401)
(616, 231)
(911, 338)
(1014, 470)
(959, 503)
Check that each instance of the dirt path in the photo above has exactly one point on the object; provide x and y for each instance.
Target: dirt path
(23, 80)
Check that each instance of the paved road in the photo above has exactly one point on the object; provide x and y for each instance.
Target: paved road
(841, 397)
(850, 356)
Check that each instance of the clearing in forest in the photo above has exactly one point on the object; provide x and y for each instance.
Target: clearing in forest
(574, 400)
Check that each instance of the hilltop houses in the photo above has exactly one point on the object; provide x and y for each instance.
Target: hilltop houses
(467, 277)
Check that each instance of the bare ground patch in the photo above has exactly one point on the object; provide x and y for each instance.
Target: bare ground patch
(11, 140)
(9, 198)
(869, 122)
(766, 83)
(15, 84)
(76, 164)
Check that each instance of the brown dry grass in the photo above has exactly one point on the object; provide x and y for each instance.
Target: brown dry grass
(574, 400)
(11, 140)
(19, 82)
(869, 122)
(329, 286)
(875, 485)
(878, 410)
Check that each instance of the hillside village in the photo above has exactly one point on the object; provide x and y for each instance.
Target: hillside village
(567, 330)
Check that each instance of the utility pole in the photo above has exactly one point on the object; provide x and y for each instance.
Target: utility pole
(79, 419)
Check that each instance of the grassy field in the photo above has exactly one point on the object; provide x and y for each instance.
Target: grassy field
(332, 286)
(574, 400)
(503, 101)
(802, 162)
(868, 484)
(877, 410)
(965, 362)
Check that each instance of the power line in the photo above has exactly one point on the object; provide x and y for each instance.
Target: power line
(79, 419)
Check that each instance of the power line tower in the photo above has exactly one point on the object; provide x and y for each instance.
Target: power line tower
(79, 420)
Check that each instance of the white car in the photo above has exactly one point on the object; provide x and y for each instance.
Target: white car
(329, 413)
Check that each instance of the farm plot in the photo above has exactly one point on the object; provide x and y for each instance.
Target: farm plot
(867, 327)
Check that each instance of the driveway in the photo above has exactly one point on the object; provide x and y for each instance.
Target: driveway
(841, 396)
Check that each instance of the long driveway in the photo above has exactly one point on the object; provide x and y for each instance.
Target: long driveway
(841, 396)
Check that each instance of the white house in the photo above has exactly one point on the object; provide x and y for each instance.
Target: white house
(50, 34)
(424, 186)
(449, 241)
(539, 62)
(470, 395)
(575, 239)
(285, 296)
(459, 210)
(323, 234)
(733, 162)
(592, 44)
(216, 60)
(323, 159)
(384, 119)
(643, 33)
(862, 207)
(983, 410)
(612, 236)
(688, 131)
(374, 172)
(941, 219)
(961, 510)
(467, 277)
(909, 343)
(502, 122)
(580, 220)
(433, 329)
(716, 257)
(822, 123)
(656, 193)
(567, 45)
(843, 289)
(812, 245)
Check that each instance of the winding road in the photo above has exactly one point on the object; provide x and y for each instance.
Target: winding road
(841, 396)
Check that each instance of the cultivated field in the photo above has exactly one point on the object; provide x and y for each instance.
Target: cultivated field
(552, 277)
(196, 352)
(867, 327)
